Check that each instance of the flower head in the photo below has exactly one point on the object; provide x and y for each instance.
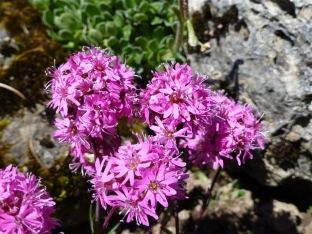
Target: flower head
(92, 91)
(25, 206)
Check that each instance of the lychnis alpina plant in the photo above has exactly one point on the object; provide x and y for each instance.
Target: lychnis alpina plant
(93, 90)
(25, 206)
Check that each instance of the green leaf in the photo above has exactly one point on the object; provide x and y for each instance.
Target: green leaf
(47, 18)
(127, 50)
(114, 228)
(152, 45)
(156, 20)
(103, 6)
(65, 34)
(141, 41)
(95, 36)
(192, 39)
(143, 7)
(126, 31)
(107, 28)
(119, 4)
(239, 193)
(107, 16)
(152, 56)
(118, 19)
(156, 7)
(111, 41)
(202, 176)
(129, 13)
(58, 12)
(128, 4)
(60, 4)
(97, 19)
(137, 2)
(180, 58)
(90, 9)
(40, 4)
(83, 17)
(123, 43)
(78, 35)
(54, 35)
(74, 3)
(145, 55)
(160, 32)
(139, 17)
(102, 28)
(167, 42)
(164, 55)
(67, 21)
(137, 58)
(70, 45)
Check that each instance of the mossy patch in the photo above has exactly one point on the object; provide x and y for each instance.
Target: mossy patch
(31, 54)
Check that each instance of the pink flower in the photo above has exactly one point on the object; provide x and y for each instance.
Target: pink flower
(167, 133)
(103, 182)
(178, 94)
(156, 185)
(133, 206)
(129, 159)
(26, 206)
(232, 134)
(92, 91)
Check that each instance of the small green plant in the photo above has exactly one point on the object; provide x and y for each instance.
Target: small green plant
(143, 32)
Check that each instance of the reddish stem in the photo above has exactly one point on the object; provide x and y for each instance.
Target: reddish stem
(207, 199)
(105, 224)
(176, 215)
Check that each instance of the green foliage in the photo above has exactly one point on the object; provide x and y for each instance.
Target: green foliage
(141, 31)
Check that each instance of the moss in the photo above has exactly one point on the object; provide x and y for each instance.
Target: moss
(127, 130)
(33, 52)
(4, 148)
(69, 190)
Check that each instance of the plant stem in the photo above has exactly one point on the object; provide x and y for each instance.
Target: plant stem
(179, 33)
(185, 9)
(207, 199)
(110, 214)
(34, 154)
(176, 215)
(13, 90)
(97, 204)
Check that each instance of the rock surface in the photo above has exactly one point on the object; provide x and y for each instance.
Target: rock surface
(29, 135)
(261, 55)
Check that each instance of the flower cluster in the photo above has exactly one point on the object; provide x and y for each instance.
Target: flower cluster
(232, 133)
(92, 91)
(179, 97)
(137, 177)
(25, 206)
(178, 105)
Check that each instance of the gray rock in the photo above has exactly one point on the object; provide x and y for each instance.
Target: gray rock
(6, 41)
(262, 56)
(32, 126)
(282, 217)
